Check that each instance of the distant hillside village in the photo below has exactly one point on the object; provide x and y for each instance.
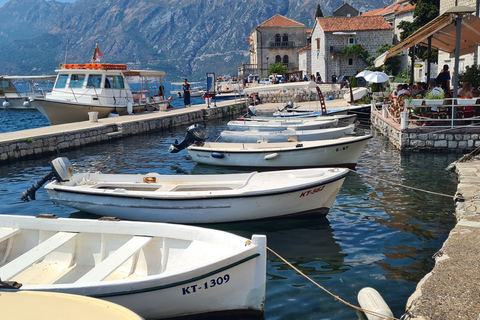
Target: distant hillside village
(320, 52)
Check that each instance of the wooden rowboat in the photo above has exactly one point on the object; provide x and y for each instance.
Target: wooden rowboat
(156, 270)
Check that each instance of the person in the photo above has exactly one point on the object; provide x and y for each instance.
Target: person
(425, 78)
(402, 89)
(435, 90)
(443, 79)
(464, 84)
(305, 78)
(334, 78)
(161, 91)
(466, 92)
(186, 93)
(420, 90)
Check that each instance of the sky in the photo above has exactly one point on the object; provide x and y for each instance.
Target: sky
(2, 2)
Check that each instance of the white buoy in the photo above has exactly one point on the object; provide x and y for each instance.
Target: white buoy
(370, 299)
(6, 104)
(129, 107)
(26, 103)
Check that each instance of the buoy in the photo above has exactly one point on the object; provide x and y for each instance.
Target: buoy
(271, 156)
(218, 155)
(369, 299)
(129, 107)
(6, 104)
(170, 98)
(26, 103)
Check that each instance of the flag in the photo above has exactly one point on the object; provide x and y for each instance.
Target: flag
(249, 39)
(97, 54)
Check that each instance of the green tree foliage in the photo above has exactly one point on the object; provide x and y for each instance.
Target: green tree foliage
(391, 65)
(355, 49)
(424, 12)
(277, 68)
(472, 76)
(318, 13)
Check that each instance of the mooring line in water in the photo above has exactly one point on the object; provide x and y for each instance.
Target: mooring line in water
(376, 314)
(455, 197)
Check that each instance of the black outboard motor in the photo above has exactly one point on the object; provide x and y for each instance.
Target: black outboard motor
(62, 170)
(251, 112)
(195, 133)
(288, 107)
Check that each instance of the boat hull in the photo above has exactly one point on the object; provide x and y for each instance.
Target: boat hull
(308, 192)
(343, 152)
(180, 271)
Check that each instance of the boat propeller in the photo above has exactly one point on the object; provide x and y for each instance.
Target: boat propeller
(195, 133)
(62, 170)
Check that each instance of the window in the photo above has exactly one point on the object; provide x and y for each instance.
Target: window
(118, 82)
(61, 81)
(4, 84)
(285, 38)
(350, 41)
(278, 38)
(76, 80)
(94, 81)
(285, 59)
(318, 43)
(350, 61)
(278, 59)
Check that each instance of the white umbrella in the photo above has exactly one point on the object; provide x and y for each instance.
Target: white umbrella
(377, 77)
(363, 73)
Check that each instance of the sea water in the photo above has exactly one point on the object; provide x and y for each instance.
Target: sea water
(378, 233)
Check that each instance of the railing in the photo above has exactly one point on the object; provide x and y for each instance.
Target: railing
(282, 44)
(446, 113)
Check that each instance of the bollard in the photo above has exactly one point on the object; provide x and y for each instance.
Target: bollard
(403, 119)
(93, 116)
(384, 111)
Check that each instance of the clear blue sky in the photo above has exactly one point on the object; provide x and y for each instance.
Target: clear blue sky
(2, 2)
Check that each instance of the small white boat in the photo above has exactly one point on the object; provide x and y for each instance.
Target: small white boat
(357, 93)
(37, 305)
(199, 198)
(289, 135)
(156, 270)
(343, 120)
(342, 152)
(99, 87)
(279, 125)
(12, 98)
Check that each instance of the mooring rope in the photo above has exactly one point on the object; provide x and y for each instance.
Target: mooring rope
(379, 315)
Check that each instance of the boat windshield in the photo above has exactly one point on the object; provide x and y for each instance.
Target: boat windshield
(115, 82)
(76, 81)
(94, 81)
(61, 81)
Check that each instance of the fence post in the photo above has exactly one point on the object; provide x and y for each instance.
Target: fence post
(384, 111)
(403, 119)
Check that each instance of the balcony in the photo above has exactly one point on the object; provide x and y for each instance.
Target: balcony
(286, 44)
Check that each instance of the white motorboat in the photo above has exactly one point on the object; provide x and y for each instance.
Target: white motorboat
(33, 86)
(342, 152)
(38, 305)
(357, 94)
(199, 198)
(99, 87)
(279, 125)
(343, 120)
(156, 270)
(252, 136)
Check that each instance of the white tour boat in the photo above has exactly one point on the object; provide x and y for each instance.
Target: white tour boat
(156, 270)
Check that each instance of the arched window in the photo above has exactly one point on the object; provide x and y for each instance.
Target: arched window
(278, 38)
(285, 38)
(278, 59)
(285, 59)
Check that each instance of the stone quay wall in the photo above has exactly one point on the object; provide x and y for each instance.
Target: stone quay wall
(460, 139)
(37, 143)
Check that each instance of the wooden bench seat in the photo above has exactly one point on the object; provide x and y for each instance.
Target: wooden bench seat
(115, 260)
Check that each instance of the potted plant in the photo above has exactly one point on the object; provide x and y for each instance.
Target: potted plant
(434, 97)
(417, 100)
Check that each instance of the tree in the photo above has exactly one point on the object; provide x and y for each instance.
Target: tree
(318, 13)
(424, 12)
(391, 65)
(277, 68)
(355, 49)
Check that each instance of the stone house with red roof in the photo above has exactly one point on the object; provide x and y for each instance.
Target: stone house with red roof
(276, 40)
(331, 35)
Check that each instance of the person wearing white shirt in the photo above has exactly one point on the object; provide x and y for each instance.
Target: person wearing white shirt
(425, 78)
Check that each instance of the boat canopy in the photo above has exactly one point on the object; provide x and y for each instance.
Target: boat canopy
(282, 86)
(38, 78)
(143, 73)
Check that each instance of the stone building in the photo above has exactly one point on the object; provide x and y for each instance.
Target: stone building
(305, 61)
(346, 10)
(467, 59)
(276, 40)
(331, 35)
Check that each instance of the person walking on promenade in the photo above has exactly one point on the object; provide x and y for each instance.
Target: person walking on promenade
(186, 93)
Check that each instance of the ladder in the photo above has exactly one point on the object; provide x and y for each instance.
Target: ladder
(322, 101)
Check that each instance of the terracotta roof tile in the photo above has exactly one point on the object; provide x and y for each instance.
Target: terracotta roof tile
(353, 23)
(397, 7)
(280, 21)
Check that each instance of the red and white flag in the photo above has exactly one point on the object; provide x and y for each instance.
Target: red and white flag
(97, 54)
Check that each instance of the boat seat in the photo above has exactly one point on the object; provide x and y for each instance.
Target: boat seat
(115, 260)
(24, 261)
(6, 233)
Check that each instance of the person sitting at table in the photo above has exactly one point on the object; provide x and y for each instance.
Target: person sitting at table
(420, 92)
(403, 90)
(466, 92)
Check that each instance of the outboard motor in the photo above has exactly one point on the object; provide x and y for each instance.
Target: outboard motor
(251, 111)
(62, 170)
(195, 133)
(288, 107)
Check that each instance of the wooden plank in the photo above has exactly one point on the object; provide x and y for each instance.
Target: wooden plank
(115, 260)
(6, 233)
(14, 267)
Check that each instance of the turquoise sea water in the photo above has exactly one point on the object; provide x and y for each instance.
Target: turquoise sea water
(377, 234)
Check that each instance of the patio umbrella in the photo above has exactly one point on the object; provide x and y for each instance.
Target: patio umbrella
(376, 77)
(363, 73)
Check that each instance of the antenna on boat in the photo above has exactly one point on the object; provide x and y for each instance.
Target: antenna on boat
(66, 51)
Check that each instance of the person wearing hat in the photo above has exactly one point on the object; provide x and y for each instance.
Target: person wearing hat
(186, 93)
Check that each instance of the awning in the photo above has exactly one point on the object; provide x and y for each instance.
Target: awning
(442, 29)
(282, 86)
(144, 73)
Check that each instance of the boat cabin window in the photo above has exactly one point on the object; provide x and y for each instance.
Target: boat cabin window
(115, 82)
(61, 81)
(76, 81)
(94, 81)
(3, 83)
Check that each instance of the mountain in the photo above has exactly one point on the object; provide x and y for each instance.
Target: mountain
(185, 38)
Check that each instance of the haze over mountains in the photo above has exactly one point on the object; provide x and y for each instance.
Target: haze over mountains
(185, 38)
